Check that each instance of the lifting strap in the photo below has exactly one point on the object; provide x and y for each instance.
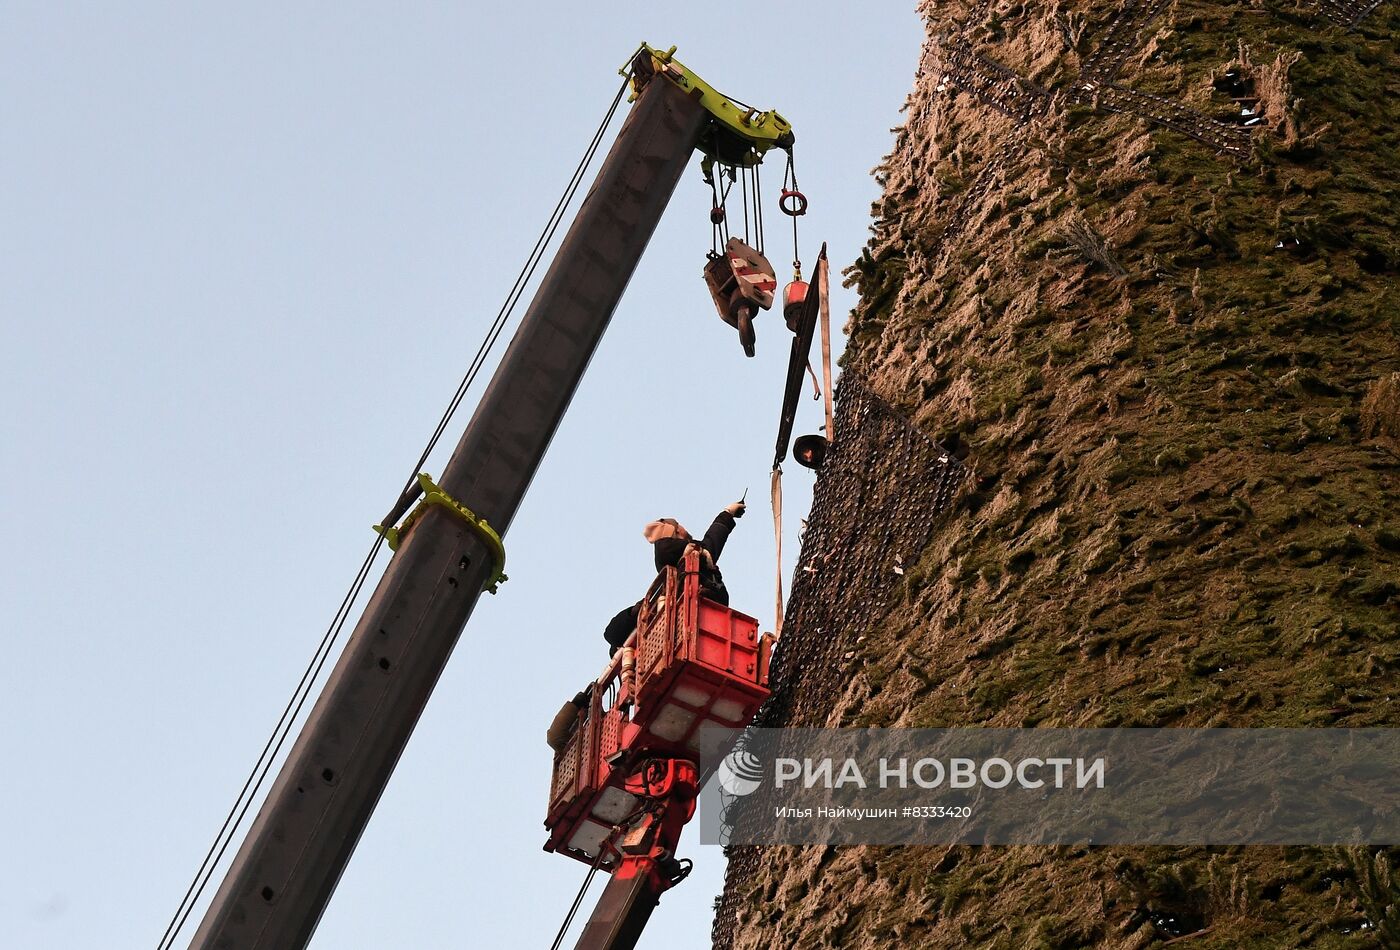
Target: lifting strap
(775, 494)
(822, 288)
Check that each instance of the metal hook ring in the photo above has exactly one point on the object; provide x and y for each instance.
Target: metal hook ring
(793, 203)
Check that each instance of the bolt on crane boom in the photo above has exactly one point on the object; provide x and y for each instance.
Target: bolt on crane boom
(287, 867)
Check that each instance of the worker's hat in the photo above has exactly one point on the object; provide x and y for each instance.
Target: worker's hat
(664, 528)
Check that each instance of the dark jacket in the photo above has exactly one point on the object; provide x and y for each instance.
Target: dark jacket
(620, 627)
(669, 552)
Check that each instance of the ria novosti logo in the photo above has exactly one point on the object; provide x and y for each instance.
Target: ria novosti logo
(740, 774)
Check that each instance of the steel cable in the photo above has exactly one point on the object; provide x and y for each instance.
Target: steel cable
(578, 900)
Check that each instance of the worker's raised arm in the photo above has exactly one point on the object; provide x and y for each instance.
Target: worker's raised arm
(719, 528)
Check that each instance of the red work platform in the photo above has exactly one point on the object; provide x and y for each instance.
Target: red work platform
(690, 663)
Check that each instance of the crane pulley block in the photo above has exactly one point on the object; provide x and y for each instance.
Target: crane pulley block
(738, 135)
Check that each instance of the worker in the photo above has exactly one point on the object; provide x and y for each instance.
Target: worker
(566, 719)
(620, 627)
(669, 544)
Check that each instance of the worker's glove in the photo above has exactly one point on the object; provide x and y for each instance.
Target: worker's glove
(736, 509)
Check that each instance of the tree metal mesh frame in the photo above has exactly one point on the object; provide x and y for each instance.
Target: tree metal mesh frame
(874, 511)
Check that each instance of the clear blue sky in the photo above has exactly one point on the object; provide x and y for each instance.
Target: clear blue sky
(245, 253)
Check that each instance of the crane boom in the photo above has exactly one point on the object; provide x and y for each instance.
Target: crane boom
(286, 869)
